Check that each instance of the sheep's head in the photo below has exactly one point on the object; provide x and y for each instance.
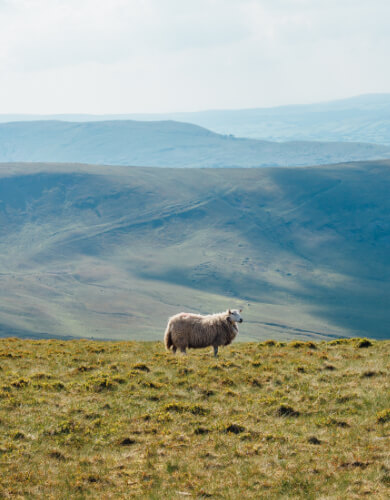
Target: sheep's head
(234, 316)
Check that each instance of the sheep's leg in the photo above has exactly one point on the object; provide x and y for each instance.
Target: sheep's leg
(215, 351)
(174, 348)
(183, 350)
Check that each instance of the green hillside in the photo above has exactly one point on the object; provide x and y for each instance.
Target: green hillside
(84, 419)
(112, 252)
(164, 144)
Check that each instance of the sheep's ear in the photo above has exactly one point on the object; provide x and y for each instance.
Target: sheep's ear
(240, 311)
(229, 311)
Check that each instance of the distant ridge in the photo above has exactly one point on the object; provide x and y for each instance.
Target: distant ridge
(364, 118)
(164, 144)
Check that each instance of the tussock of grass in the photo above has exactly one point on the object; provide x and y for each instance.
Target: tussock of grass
(84, 419)
(20, 383)
(58, 455)
(234, 428)
(363, 343)
(383, 416)
(385, 479)
(299, 344)
(40, 376)
(17, 435)
(369, 374)
(341, 341)
(201, 430)
(313, 440)
(329, 368)
(142, 367)
(182, 407)
(286, 411)
(127, 441)
(335, 422)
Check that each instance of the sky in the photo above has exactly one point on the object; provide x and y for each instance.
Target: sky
(146, 56)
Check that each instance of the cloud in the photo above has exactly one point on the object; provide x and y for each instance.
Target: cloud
(45, 33)
(149, 55)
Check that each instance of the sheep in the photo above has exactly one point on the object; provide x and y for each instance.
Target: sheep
(185, 330)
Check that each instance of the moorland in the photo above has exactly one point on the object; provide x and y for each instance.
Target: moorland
(111, 252)
(87, 419)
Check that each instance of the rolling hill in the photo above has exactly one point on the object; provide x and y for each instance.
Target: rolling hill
(364, 118)
(164, 144)
(111, 252)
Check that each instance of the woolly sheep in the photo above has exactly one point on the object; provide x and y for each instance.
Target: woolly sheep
(185, 330)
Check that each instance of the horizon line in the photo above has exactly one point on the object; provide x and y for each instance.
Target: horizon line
(200, 111)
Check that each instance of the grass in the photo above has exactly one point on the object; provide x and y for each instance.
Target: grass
(87, 419)
(110, 253)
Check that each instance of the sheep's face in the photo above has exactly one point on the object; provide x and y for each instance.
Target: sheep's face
(235, 316)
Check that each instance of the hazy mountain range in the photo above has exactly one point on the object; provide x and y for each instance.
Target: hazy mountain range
(364, 118)
(111, 252)
(164, 144)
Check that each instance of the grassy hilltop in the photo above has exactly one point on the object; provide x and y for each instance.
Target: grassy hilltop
(86, 419)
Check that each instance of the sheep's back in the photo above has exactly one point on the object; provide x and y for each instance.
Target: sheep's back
(192, 330)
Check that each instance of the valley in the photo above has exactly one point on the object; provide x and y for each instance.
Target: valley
(111, 252)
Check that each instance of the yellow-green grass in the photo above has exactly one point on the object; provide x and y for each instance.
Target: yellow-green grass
(87, 419)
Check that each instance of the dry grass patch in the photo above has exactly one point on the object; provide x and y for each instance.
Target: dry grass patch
(85, 419)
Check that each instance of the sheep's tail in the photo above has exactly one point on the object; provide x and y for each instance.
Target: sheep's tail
(168, 338)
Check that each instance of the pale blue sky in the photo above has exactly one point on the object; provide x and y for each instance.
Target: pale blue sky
(125, 56)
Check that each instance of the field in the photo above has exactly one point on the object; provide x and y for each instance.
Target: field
(86, 419)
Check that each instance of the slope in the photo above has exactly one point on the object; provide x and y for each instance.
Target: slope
(364, 118)
(111, 252)
(164, 144)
